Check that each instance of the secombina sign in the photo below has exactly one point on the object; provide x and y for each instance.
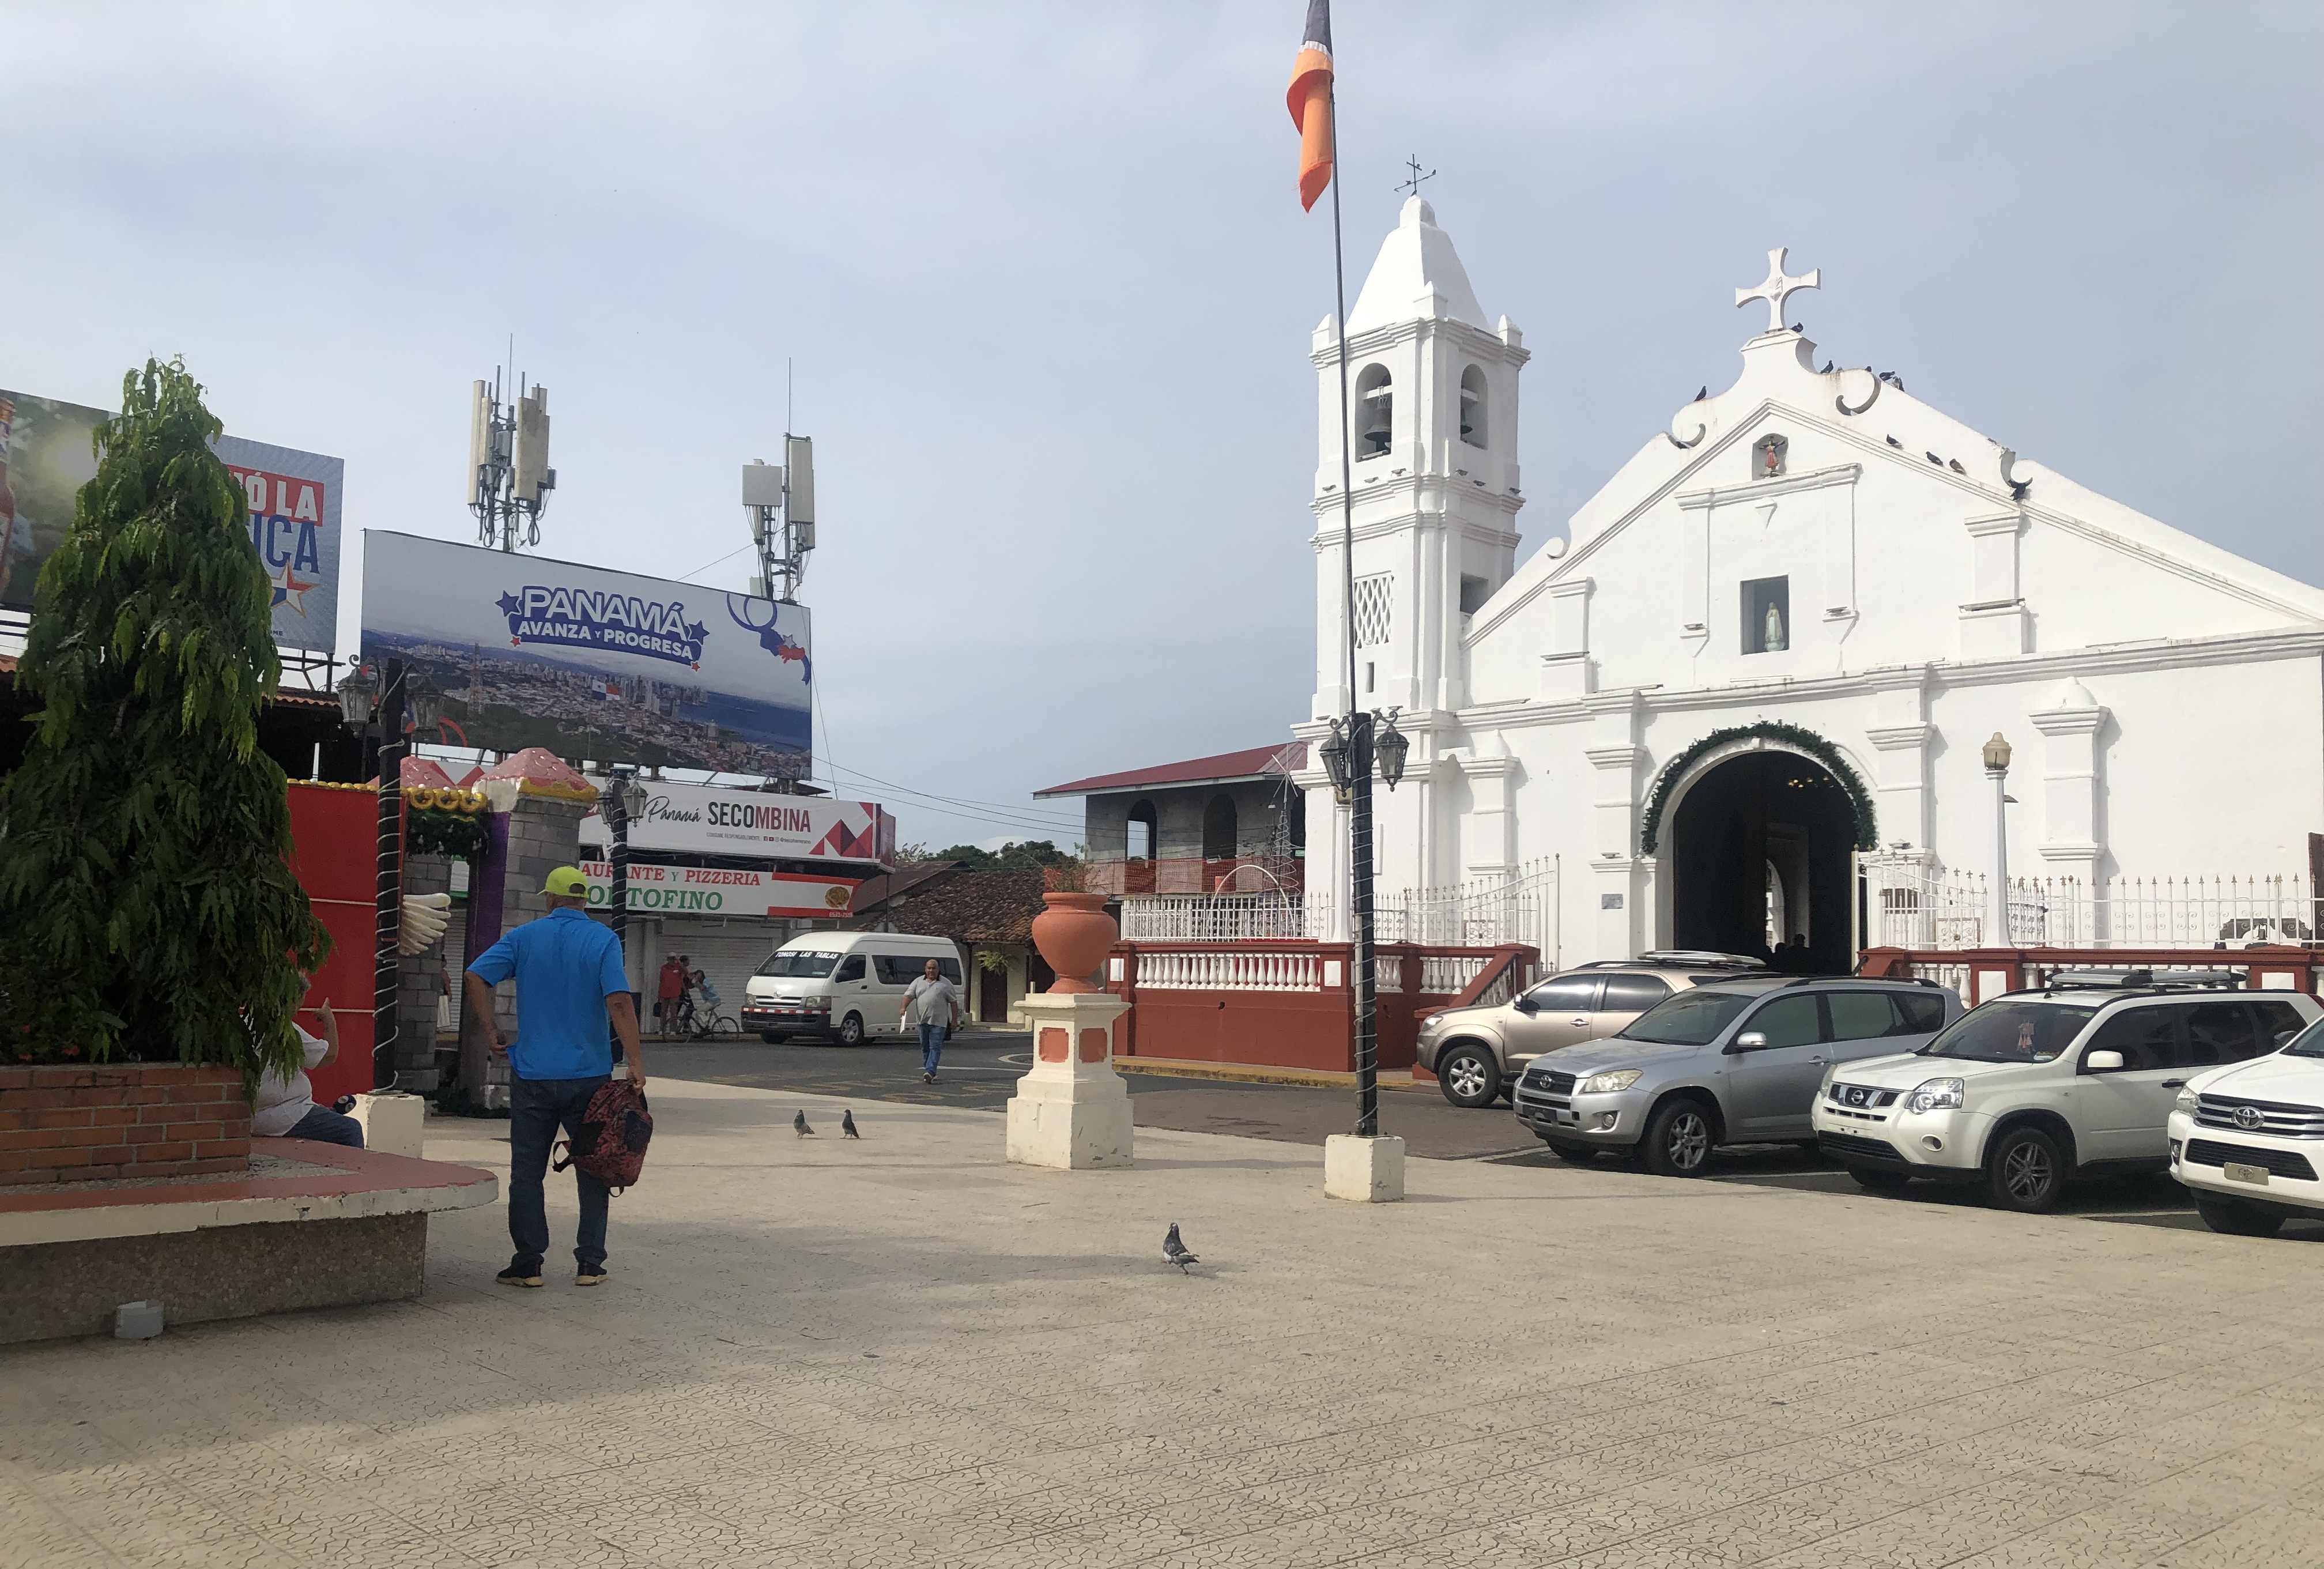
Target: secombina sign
(705, 819)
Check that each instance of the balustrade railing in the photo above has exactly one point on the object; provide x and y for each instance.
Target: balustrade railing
(1228, 971)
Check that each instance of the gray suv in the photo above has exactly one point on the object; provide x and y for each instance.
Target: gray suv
(1735, 1061)
(1476, 1052)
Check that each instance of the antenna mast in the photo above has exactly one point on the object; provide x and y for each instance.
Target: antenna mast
(509, 477)
(780, 498)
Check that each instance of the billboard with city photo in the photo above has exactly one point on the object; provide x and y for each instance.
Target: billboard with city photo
(47, 455)
(720, 820)
(589, 662)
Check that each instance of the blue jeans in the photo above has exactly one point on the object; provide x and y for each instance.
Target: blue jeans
(538, 1108)
(329, 1127)
(932, 1039)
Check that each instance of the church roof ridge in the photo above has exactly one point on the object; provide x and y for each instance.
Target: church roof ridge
(1417, 276)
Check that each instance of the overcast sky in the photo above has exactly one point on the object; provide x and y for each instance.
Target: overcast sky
(1047, 289)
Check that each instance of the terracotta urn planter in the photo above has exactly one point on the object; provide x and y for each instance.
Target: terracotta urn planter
(1075, 934)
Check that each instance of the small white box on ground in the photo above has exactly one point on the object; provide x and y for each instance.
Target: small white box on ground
(393, 1122)
(136, 1320)
(1363, 1170)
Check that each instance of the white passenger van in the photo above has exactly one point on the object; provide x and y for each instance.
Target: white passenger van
(842, 986)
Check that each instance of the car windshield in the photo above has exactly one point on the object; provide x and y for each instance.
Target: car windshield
(2308, 1042)
(805, 962)
(1689, 1018)
(2005, 1031)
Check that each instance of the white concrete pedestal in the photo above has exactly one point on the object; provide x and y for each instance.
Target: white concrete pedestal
(1363, 1170)
(1071, 1110)
(393, 1122)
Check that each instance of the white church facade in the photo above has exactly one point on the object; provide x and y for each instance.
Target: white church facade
(1778, 638)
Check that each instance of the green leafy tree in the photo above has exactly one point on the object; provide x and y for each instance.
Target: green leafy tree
(1016, 855)
(145, 903)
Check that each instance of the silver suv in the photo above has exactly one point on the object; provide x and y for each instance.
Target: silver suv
(1476, 1052)
(1735, 1061)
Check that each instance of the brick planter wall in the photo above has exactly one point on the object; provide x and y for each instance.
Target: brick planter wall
(77, 1124)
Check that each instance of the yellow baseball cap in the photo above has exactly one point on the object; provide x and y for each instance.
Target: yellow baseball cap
(566, 882)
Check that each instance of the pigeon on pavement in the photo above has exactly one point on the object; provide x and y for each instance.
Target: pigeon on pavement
(847, 1125)
(1174, 1252)
(799, 1124)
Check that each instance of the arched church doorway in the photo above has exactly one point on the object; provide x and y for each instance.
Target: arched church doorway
(1758, 850)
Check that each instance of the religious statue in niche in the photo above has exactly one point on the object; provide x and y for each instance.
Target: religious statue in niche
(1772, 632)
(1767, 456)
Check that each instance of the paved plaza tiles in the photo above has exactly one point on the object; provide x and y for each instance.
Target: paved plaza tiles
(905, 1352)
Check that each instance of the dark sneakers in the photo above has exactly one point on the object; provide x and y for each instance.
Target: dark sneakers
(513, 1276)
(588, 1277)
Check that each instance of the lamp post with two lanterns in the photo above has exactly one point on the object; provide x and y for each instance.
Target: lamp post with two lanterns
(361, 696)
(1358, 741)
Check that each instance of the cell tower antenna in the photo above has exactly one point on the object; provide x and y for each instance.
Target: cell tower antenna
(509, 477)
(779, 501)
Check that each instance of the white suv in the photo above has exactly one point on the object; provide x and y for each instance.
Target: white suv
(2247, 1139)
(2033, 1089)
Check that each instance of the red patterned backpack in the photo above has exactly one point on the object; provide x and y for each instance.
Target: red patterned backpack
(614, 1131)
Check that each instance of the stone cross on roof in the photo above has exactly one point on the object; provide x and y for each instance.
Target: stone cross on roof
(1778, 288)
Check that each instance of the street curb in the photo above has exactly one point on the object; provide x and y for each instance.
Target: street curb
(1257, 1073)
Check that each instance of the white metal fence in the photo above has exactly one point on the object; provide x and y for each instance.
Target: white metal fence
(1906, 906)
(1519, 908)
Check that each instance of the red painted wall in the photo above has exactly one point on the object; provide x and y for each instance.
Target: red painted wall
(335, 834)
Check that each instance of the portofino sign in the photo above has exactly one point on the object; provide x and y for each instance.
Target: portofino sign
(659, 889)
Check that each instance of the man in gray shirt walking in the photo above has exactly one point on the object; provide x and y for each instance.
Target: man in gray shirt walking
(938, 1002)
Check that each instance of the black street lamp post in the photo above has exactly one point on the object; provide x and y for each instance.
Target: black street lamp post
(361, 696)
(624, 799)
(1350, 753)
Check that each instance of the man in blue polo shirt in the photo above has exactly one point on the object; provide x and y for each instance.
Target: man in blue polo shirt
(570, 984)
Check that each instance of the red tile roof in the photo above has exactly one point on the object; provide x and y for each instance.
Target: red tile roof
(1259, 762)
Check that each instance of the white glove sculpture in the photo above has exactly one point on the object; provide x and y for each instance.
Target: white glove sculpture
(425, 917)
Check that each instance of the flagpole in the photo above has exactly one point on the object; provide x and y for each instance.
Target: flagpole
(1359, 739)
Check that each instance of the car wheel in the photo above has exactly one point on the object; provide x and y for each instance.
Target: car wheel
(851, 1030)
(1469, 1076)
(772, 1037)
(2237, 1220)
(2025, 1171)
(1678, 1141)
(1575, 1154)
(1878, 1181)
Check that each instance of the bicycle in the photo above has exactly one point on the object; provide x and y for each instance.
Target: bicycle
(702, 1023)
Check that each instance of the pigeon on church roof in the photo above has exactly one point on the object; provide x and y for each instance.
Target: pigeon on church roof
(1700, 396)
(1827, 369)
(1956, 468)
(1932, 457)
(1894, 442)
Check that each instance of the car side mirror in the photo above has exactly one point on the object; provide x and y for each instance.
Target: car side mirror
(1526, 1005)
(1751, 1040)
(2102, 1062)
(2284, 1038)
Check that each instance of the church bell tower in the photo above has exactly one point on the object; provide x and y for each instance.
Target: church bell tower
(1434, 422)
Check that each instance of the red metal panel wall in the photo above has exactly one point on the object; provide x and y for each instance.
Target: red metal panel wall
(333, 831)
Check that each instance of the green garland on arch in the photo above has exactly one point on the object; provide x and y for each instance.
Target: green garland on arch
(1792, 735)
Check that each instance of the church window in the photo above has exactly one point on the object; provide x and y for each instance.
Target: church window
(1767, 616)
(1767, 455)
(1474, 591)
(1473, 406)
(1372, 607)
(1141, 832)
(1375, 412)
